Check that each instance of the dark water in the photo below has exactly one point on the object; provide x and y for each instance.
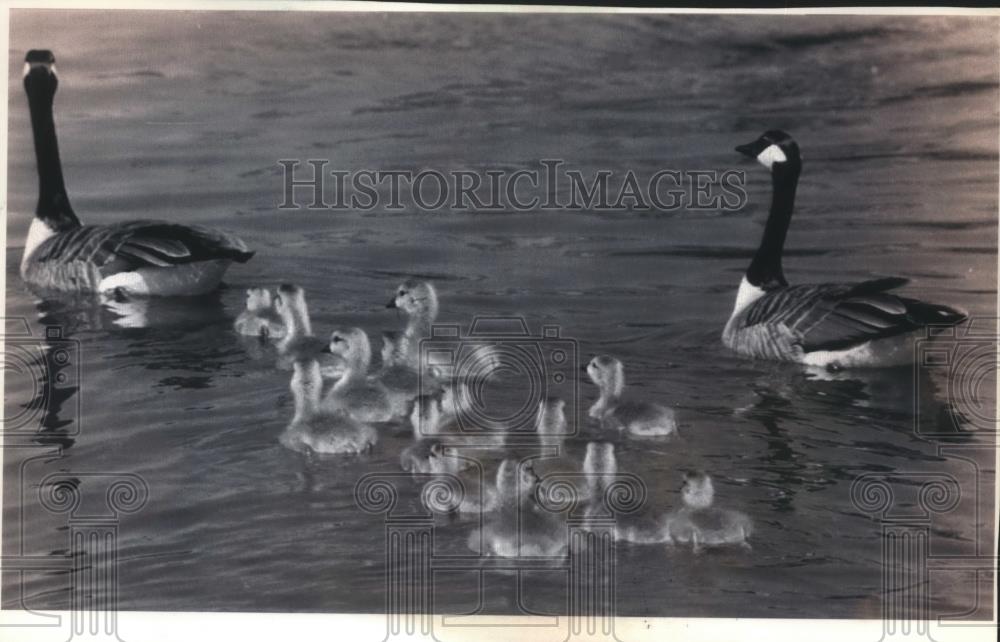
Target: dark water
(184, 118)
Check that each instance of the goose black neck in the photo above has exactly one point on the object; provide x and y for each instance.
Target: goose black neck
(765, 270)
(53, 203)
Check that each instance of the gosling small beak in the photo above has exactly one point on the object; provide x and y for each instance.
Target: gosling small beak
(391, 304)
(326, 349)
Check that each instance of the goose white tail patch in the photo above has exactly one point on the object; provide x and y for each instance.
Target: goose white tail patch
(771, 155)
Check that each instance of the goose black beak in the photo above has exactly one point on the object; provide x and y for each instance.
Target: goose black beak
(752, 150)
(391, 304)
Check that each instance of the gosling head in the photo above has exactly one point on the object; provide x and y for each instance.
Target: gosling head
(416, 299)
(352, 345)
(258, 299)
(697, 491)
(608, 374)
(775, 150)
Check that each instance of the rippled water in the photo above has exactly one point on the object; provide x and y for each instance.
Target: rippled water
(184, 118)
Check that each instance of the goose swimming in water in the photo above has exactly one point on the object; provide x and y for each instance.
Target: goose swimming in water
(136, 257)
(830, 325)
(316, 427)
(434, 434)
(290, 304)
(638, 418)
(260, 319)
(363, 397)
(518, 525)
(401, 367)
(419, 302)
(700, 523)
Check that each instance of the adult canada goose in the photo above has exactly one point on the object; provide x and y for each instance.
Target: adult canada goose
(136, 257)
(831, 325)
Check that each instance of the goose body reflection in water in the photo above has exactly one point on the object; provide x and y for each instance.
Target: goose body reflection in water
(260, 319)
(828, 325)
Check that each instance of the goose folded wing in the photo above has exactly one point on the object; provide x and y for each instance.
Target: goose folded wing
(143, 244)
(842, 316)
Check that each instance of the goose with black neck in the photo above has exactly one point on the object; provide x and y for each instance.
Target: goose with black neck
(827, 325)
(135, 257)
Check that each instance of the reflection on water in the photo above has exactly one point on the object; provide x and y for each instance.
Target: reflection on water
(897, 122)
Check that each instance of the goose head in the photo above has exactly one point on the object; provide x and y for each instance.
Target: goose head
(258, 299)
(290, 304)
(516, 480)
(697, 491)
(775, 150)
(417, 299)
(352, 345)
(40, 81)
(608, 374)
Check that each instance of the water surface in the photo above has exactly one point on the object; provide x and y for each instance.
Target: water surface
(184, 117)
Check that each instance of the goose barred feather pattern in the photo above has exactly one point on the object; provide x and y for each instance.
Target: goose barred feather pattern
(833, 316)
(137, 244)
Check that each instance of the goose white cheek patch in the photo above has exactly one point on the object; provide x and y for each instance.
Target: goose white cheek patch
(770, 156)
(27, 67)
